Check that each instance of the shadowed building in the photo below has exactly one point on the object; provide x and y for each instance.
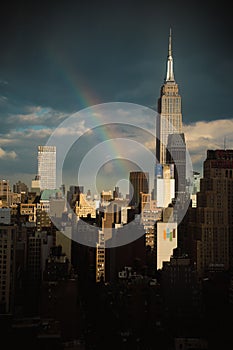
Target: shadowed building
(211, 223)
(8, 235)
(176, 154)
(139, 183)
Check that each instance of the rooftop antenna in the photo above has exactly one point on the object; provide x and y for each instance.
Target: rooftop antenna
(225, 143)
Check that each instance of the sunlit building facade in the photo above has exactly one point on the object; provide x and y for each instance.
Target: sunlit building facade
(169, 120)
(47, 167)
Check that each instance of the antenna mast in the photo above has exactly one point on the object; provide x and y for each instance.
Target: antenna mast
(224, 143)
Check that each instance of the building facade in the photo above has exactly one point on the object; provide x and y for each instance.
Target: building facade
(169, 120)
(47, 167)
(5, 193)
(8, 234)
(165, 237)
(212, 219)
(139, 183)
(164, 184)
(176, 154)
(150, 214)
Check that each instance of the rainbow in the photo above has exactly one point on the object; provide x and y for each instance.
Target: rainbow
(78, 86)
(94, 119)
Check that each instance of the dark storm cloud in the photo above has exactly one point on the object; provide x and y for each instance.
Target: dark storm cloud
(117, 50)
(59, 56)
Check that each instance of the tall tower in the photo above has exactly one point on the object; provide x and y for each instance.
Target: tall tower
(47, 167)
(169, 109)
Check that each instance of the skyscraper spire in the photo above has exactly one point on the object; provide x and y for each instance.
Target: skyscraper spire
(170, 43)
(170, 73)
(169, 109)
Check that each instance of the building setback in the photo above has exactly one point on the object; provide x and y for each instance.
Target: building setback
(169, 120)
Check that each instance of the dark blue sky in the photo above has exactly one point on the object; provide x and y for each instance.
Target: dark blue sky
(116, 51)
(60, 56)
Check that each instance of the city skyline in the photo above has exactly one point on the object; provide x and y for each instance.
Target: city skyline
(45, 77)
(116, 175)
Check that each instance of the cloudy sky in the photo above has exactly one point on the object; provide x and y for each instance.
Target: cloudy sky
(58, 57)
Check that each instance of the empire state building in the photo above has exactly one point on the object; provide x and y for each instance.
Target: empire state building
(169, 120)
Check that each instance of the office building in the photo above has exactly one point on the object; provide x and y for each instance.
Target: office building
(176, 154)
(150, 214)
(139, 183)
(20, 187)
(211, 223)
(8, 234)
(180, 276)
(100, 258)
(169, 120)
(5, 193)
(47, 167)
(164, 184)
(166, 237)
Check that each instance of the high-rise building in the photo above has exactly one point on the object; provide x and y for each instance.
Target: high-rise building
(179, 275)
(211, 222)
(195, 188)
(166, 237)
(139, 183)
(20, 187)
(169, 120)
(176, 154)
(47, 167)
(8, 234)
(34, 258)
(100, 258)
(5, 193)
(150, 214)
(164, 184)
